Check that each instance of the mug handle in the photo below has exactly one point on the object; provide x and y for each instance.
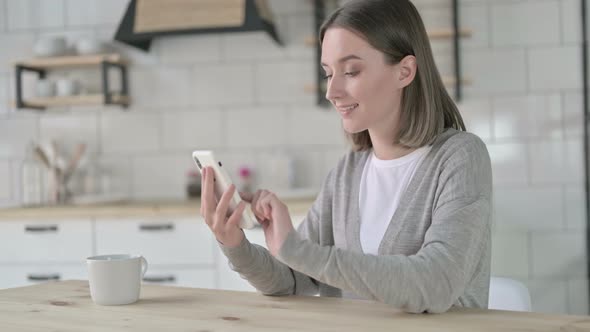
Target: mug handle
(144, 266)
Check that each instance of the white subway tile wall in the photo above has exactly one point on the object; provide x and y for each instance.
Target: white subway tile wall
(572, 116)
(549, 295)
(578, 296)
(510, 254)
(15, 134)
(69, 129)
(545, 76)
(256, 127)
(523, 207)
(495, 71)
(190, 129)
(3, 18)
(575, 207)
(558, 254)
(31, 14)
(223, 84)
(131, 132)
(251, 100)
(5, 188)
(19, 45)
(477, 115)
(525, 23)
(4, 93)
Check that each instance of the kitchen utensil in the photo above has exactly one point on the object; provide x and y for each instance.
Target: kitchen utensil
(42, 156)
(74, 161)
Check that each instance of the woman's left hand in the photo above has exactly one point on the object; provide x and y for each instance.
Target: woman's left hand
(274, 217)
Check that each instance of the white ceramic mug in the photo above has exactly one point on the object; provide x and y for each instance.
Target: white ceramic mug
(115, 279)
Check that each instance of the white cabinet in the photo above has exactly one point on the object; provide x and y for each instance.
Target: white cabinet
(23, 275)
(160, 241)
(185, 277)
(180, 251)
(45, 241)
(41, 251)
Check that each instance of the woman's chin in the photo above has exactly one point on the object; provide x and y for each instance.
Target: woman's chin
(350, 128)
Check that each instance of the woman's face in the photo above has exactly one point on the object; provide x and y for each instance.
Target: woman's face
(364, 89)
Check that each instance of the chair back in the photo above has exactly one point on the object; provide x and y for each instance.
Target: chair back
(508, 294)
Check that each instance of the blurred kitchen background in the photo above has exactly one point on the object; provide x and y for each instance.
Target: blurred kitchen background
(253, 102)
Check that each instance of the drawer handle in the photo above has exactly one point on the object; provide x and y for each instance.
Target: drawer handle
(156, 227)
(43, 277)
(169, 278)
(41, 229)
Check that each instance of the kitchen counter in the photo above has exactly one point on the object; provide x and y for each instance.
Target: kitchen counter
(67, 306)
(126, 210)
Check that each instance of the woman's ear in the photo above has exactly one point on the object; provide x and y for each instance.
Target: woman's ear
(407, 70)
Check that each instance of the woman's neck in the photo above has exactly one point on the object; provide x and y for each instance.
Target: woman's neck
(385, 149)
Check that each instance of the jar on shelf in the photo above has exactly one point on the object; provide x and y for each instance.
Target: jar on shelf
(193, 184)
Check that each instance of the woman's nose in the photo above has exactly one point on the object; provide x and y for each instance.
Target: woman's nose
(334, 88)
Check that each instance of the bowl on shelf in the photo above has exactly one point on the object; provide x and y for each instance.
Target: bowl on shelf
(88, 46)
(67, 87)
(44, 88)
(50, 46)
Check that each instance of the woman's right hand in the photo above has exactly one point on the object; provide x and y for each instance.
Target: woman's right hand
(226, 229)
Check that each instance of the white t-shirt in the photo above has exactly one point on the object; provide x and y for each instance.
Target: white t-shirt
(382, 185)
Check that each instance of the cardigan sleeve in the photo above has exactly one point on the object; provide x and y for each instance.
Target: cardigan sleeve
(271, 276)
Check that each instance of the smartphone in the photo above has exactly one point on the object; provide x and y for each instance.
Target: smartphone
(205, 158)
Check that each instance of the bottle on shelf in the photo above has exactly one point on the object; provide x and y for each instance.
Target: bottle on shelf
(245, 176)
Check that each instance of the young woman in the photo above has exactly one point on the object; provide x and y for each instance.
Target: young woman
(404, 218)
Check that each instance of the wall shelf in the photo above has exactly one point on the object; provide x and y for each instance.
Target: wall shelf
(40, 66)
(77, 100)
(72, 61)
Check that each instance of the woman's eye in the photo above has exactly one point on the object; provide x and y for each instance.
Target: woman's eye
(351, 73)
(327, 76)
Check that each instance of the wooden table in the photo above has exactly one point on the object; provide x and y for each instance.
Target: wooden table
(67, 306)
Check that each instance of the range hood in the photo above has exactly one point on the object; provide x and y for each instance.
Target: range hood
(147, 19)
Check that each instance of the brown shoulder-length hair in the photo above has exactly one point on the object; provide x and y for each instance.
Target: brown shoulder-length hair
(395, 28)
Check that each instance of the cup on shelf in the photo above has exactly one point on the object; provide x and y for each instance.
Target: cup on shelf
(67, 87)
(44, 88)
(50, 46)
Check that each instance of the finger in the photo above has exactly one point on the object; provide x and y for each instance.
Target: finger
(254, 204)
(223, 205)
(236, 216)
(259, 204)
(246, 196)
(265, 206)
